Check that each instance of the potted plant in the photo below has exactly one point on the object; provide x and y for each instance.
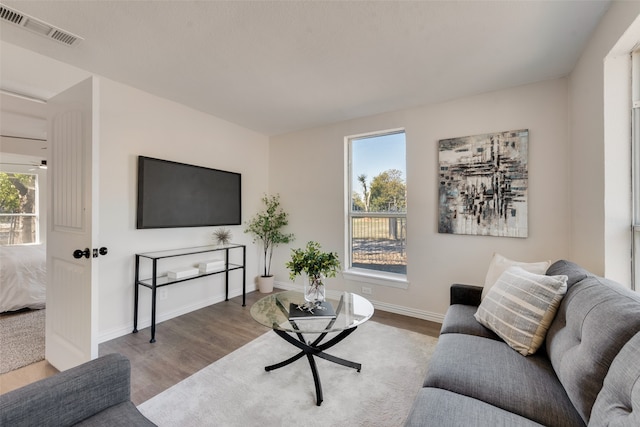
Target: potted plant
(266, 228)
(317, 265)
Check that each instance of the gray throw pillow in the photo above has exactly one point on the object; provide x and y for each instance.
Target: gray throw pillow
(520, 307)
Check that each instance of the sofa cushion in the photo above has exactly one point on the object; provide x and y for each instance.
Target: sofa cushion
(460, 320)
(491, 371)
(618, 403)
(500, 263)
(595, 320)
(520, 307)
(437, 407)
(123, 415)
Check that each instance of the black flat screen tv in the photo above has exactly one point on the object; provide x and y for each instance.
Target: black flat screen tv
(172, 195)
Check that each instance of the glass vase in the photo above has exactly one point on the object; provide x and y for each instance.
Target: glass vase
(314, 289)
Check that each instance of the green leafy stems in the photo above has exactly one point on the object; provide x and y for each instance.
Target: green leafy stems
(313, 262)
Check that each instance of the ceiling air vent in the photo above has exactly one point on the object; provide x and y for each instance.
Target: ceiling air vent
(63, 37)
(10, 16)
(37, 26)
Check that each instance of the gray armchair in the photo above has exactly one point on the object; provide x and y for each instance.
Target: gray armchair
(96, 393)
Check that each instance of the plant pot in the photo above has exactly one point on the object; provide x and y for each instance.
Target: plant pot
(265, 284)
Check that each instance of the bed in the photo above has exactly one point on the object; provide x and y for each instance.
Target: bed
(23, 276)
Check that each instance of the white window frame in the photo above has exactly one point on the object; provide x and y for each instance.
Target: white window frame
(635, 150)
(365, 275)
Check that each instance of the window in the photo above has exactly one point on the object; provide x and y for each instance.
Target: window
(377, 206)
(18, 208)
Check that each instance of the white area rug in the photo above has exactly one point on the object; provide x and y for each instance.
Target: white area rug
(237, 391)
(21, 339)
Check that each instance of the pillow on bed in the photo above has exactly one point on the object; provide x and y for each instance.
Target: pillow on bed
(520, 307)
(500, 263)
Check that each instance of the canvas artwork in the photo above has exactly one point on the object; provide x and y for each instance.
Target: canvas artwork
(483, 184)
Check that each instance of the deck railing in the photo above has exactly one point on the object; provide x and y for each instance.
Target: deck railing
(379, 241)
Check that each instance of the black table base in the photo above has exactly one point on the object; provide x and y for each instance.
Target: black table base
(315, 349)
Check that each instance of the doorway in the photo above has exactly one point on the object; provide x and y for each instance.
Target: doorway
(23, 155)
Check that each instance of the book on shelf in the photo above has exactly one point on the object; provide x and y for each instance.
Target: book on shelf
(324, 310)
(211, 266)
(181, 273)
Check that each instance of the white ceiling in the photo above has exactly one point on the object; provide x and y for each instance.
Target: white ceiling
(281, 66)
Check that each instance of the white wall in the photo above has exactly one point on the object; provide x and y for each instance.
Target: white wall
(599, 180)
(136, 123)
(307, 169)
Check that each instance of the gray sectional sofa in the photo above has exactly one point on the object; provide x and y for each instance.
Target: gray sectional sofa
(96, 393)
(587, 372)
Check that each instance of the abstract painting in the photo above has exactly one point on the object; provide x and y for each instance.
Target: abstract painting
(483, 184)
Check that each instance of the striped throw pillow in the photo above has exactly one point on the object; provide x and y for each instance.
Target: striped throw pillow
(520, 307)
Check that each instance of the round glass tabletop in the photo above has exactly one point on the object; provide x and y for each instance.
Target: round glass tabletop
(275, 310)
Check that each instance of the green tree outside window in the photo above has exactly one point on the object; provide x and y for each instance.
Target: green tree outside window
(17, 208)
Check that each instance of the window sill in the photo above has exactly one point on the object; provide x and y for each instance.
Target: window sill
(377, 278)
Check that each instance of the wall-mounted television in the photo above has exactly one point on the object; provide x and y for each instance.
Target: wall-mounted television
(172, 194)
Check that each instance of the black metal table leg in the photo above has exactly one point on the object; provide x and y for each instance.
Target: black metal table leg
(285, 362)
(244, 276)
(226, 274)
(315, 349)
(153, 300)
(135, 295)
(316, 379)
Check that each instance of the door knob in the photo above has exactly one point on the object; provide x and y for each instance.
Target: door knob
(103, 251)
(79, 253)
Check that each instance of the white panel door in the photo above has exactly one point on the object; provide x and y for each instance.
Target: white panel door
(72, 276)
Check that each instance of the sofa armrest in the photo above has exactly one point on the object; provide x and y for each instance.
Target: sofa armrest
(70, 396)
(465, 294)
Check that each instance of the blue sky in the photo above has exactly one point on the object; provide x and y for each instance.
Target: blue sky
(371, 156)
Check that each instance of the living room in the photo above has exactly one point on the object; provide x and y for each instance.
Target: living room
(577, 164)
(137, 123)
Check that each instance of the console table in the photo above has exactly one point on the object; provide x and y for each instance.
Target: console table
(156, 281)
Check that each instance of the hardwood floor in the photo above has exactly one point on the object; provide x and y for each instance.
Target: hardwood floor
(188, 343)
(26, 375)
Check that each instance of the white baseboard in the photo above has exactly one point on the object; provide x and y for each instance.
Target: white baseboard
(161, 317)
(407, 311)
(378, 305)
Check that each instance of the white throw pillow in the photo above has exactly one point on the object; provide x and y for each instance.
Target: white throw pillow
(499, 264)
(520, 307)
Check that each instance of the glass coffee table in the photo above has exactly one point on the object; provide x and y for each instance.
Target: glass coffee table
(351, 311)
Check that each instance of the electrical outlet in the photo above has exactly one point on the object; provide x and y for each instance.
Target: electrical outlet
(366, 290)
(164, 293)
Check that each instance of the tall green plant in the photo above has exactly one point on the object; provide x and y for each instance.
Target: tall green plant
(266, 228)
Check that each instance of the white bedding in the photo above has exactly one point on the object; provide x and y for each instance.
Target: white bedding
(23, 277)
